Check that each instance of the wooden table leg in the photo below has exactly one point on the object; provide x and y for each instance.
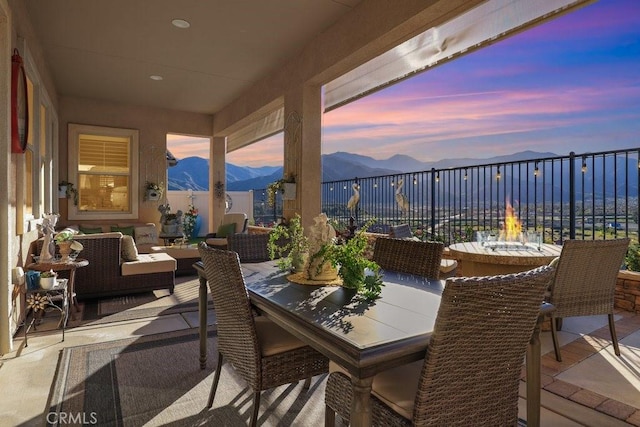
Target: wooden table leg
(361, 403)
(202, 311)
(533, 377)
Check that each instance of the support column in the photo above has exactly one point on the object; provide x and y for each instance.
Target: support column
(217, 177)
(303, 149)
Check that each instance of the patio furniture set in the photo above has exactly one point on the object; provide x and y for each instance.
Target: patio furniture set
(407, 357)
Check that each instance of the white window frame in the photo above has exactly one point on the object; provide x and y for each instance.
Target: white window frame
(74, 131)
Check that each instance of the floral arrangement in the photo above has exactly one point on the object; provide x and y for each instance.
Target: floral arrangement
(148, 185)
(153, 191)
(189, 221)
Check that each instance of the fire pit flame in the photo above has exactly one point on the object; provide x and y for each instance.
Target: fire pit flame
(512, 230)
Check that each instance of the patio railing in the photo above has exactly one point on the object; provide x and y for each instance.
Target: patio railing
(583, 196)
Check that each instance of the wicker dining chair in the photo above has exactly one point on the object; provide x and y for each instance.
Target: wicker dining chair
(249, 247)
(471, 371)
(585, 282)
(409, 256)
(261, 352)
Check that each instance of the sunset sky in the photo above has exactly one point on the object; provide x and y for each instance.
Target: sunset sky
(571, 84)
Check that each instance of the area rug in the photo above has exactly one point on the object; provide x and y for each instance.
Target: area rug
(138, 306)
(156, 380)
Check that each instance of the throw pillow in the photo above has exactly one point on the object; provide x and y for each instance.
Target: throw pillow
(225, 229)
(129, 249)
(90, 230)
(127, 231)
(146, 235)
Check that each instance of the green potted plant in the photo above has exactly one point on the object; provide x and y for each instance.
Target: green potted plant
(356, 271)
(48, 279)
(288, 244)
(285, 185)
(66, 189)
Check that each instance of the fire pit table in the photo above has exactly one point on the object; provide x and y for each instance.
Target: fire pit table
(477, 259)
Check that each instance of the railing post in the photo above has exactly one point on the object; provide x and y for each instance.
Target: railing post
(572, 195)
(433, 203)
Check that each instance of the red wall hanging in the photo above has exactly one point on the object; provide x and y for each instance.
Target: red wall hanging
(19, 105)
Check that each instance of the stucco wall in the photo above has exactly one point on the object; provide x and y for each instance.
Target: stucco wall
(153, 125)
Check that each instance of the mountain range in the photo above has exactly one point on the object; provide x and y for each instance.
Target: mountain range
(193, 172)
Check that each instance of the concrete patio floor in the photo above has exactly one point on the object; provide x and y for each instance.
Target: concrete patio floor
(591, 387)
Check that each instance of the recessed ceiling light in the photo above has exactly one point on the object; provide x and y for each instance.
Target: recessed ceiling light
(155, 77)
(180, 23)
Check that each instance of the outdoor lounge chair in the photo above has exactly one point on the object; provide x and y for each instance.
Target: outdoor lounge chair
(585, 281)
(472, 366)
(261, 352)
(232, 223)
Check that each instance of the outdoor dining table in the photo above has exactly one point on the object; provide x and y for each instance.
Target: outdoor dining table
(364, 337)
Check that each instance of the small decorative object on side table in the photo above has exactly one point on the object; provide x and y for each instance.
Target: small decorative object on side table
(70, 266)
(41, 300)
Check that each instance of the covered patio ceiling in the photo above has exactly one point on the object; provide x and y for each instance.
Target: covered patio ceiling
(107, 50)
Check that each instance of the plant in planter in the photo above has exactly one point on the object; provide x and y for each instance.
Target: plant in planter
(66, 244)
(356, 271)
(289, 245)
(190, 221)
(67, 188)
(153, 191)
(170, 222)
(283, 185)
(48, 279)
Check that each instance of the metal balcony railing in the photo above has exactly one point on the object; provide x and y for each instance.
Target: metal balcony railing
(583, 196)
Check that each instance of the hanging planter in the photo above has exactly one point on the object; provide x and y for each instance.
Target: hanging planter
(153, 191)
(286, 186)
(66, 190)
(289, 191)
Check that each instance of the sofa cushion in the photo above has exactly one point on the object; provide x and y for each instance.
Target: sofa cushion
(127, 231)
(149, 263)
(90, 230)
(129, 250)
(225, 229)
(146, 235)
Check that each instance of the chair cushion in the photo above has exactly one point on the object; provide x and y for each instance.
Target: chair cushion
(448, 265)
(396, 387)
(219, 243)
(225, 229)
(401, 231)
(129, 250)
(273, 339)
(149, 263)
(127, 231)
